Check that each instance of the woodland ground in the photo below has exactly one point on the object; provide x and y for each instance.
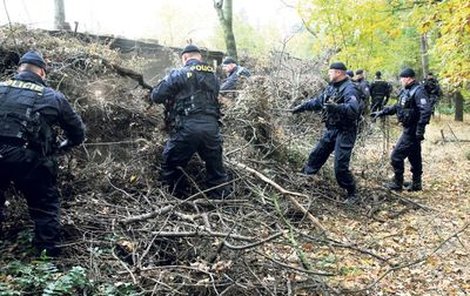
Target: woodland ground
(439, 239)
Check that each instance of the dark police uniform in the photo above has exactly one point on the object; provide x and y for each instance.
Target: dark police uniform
(190, 95)
(413, 111)
(341, 120)
(231, 81)
(28, 111)
(380, 92)
(431, 85)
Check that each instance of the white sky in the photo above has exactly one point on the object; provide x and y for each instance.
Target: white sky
(142, 18)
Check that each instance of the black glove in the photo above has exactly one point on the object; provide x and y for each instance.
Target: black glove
(298, 109)
(331, 107)
(65, 146)
(420, 133)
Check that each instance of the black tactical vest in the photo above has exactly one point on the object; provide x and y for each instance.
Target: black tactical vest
(407, 111)
(336, 95)
(199, 96)
(18, 122)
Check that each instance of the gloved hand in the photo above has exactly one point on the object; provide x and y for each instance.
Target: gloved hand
(375, 115)
(65, 146)
(298, 109)
(420, 133)
(331, 107)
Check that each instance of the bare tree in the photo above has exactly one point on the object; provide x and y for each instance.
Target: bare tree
(224, 12)
(59, 16)
(424, 54)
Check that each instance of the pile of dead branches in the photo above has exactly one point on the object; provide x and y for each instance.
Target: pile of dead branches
(123, 226)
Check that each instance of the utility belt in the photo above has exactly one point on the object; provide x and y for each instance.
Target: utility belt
(180, 120)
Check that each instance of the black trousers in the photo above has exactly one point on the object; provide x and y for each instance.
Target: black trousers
(377, 103)
(342, 143)
(197, 135)
(36, 177)
(407, 147)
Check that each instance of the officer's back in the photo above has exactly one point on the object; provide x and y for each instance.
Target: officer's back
(29, 110)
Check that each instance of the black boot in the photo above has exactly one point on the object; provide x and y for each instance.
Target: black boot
(415, 185)
(352, 197)
(396, 184)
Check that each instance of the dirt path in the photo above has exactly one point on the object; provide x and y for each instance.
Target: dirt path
(425, 252)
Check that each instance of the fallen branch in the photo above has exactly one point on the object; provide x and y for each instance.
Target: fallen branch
(127, 72)
(407, 201)
(252, 245)
(147, 216)
(288, 193)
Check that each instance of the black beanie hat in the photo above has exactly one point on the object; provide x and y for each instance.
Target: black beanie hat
(378, 73)
(229, 60)
(407, 72)
(190, 48)
(33, 58)
(350, 73)
(338, 66)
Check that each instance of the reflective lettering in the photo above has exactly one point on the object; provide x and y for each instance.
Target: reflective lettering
(203, 68)
(23, 85)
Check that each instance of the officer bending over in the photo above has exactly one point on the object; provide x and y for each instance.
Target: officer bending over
(339, 100)
(413, 110)
(234, 72)
(190, 95)
(29, 110)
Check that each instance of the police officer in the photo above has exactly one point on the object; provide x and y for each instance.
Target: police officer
(413, 110)
(234, 72)
(190, 97)
(339, 101)
(364, 87)
(380, 91)
(431, 85)
(29, 110)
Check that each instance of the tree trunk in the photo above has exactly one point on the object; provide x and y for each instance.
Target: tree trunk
(424, 54)
(458, 100)
(224, 12)
(59, 16)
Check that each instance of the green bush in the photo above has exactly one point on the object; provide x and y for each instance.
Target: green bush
(41, 277)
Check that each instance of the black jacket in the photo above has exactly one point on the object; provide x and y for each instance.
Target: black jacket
(52, 105)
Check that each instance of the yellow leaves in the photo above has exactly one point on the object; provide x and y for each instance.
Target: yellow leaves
(132, 179)
(126, 245)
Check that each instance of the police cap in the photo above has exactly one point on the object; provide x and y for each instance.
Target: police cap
(338, 66)
(190, 48)
(229, 60)
(359, 72)
(33, 58)
(350, 73)
(407, 72)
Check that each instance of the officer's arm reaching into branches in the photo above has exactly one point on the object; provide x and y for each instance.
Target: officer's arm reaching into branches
(166, 89)
(313, 104)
